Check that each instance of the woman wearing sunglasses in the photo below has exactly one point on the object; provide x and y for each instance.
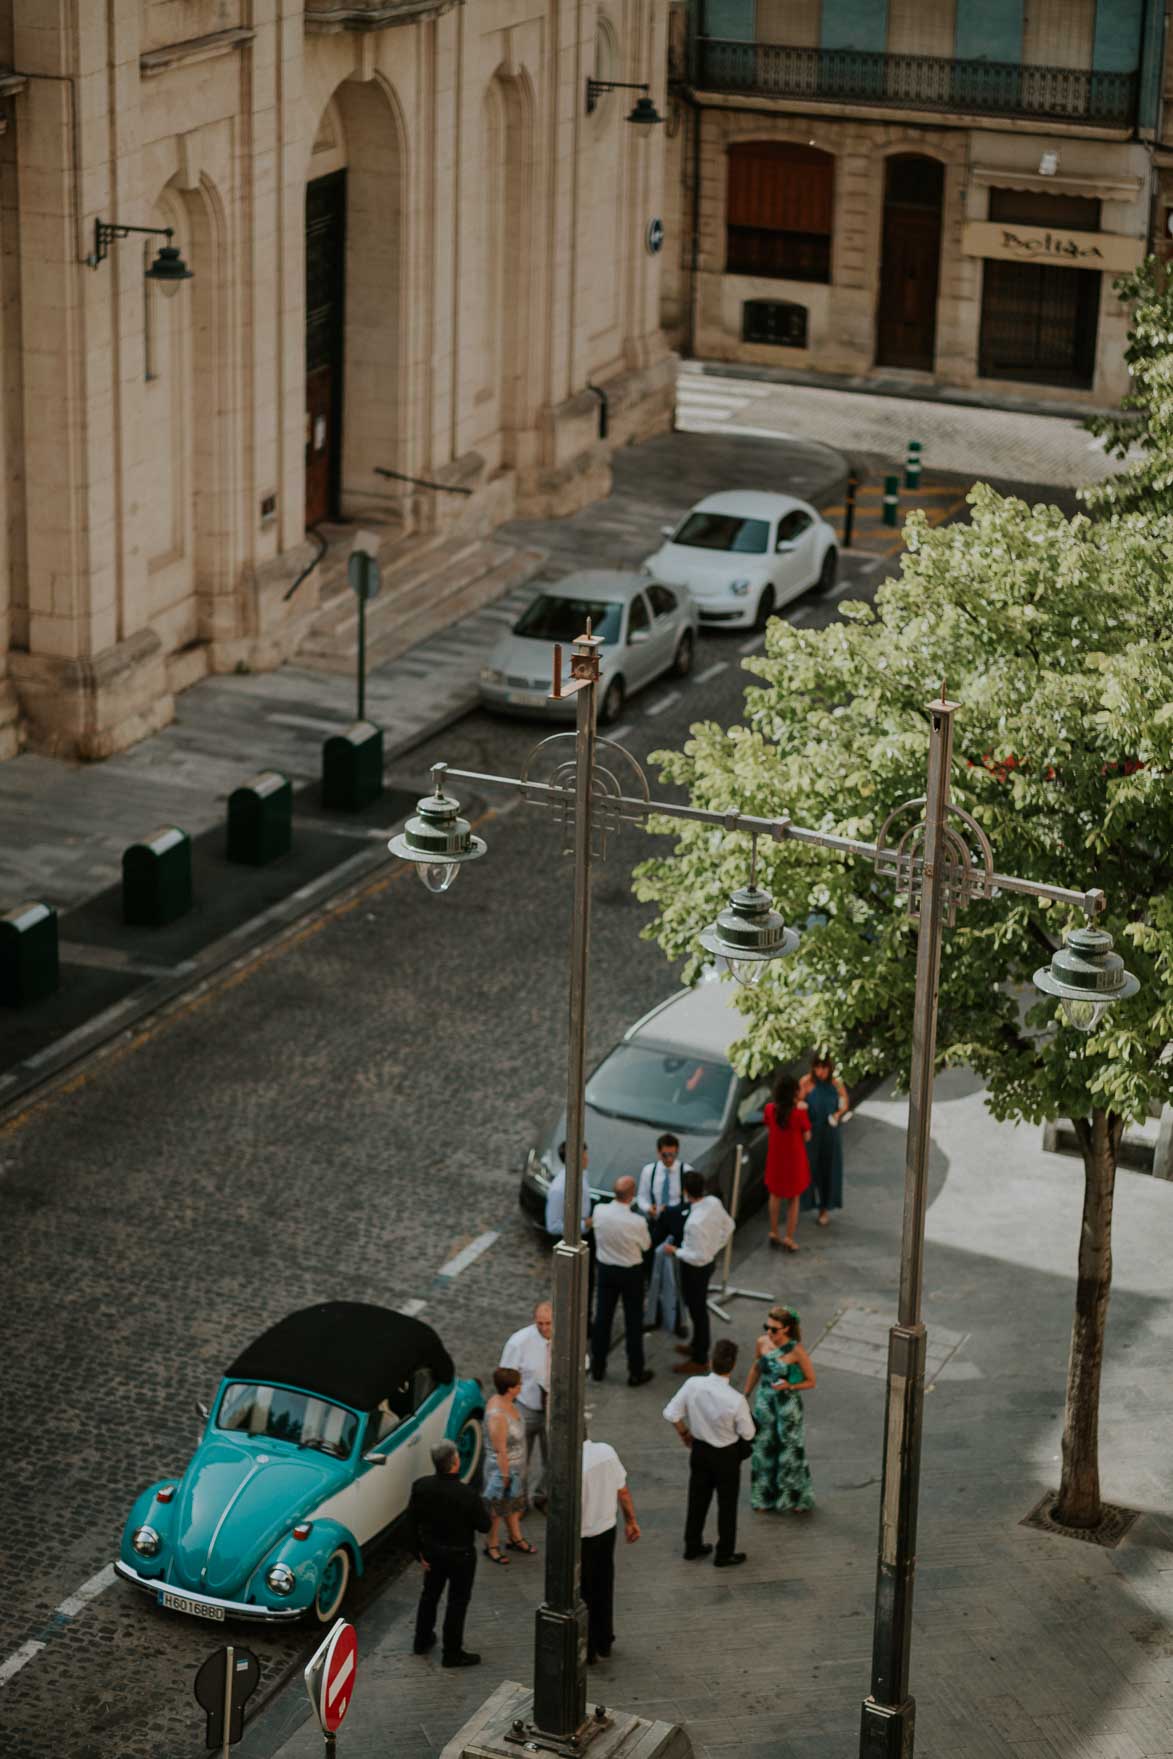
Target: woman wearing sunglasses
(780, 1478)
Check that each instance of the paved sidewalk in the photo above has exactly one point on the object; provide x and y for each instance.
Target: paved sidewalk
(1027, 1646)
(63, 826)
(1007, 444)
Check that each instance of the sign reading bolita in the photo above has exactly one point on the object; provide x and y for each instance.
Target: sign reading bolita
(1048, 244)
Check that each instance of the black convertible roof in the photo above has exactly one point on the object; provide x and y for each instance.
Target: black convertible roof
(345, 1350)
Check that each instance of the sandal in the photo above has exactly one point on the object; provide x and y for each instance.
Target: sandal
(789, 1246)
(824, 1220)
(493, 1553)
(522, 1545)
(776, 1241)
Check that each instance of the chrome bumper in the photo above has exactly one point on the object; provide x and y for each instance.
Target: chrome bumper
(232, 1609)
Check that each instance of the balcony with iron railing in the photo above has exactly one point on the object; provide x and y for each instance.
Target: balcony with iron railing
(913, 82)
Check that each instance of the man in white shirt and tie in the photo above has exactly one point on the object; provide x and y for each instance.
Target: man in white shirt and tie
(621, 1239)
(528, 1350)
(713, 1421)
(706, 1230)
(659, 1196)
(604, 1482)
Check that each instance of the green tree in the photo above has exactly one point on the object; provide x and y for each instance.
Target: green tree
(1144, 423)
(1056, 637)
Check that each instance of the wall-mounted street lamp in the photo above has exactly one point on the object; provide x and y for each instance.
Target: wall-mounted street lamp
(644, 115)
(168, 270)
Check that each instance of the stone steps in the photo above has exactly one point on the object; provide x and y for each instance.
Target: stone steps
(424, 592)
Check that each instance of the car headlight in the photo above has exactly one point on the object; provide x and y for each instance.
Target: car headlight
(492, 675)
(280, 1578)
(740, 587)
(146, 1542)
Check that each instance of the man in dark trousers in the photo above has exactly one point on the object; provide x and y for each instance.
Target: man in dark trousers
(713, 1422)
(443, 1517)
(621, 1239)
(707, 1227)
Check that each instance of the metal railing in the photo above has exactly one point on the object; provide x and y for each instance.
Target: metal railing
(914, 82)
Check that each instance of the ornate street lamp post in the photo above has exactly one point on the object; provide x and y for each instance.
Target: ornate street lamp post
(940, 861)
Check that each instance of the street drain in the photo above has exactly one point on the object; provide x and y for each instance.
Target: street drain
(1111, 1530)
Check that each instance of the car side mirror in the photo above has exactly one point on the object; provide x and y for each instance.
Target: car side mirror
(636, 636)
(783, 545)
(375, 1459)
(667, 530)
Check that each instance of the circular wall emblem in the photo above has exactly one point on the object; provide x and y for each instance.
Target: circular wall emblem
(655, 237)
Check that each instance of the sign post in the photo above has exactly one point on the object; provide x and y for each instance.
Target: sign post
(223, 1685)
(362, 571)
(329, 1680)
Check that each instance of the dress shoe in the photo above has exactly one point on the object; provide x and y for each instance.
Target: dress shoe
(423, 1648)
(642, 1378)
(701, 1551)
(690, 1368)
(462, 1658)
(727, 1563)
(603, 1654)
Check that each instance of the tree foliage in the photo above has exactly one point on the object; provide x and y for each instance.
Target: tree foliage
(1145, 431)
(1055, 635)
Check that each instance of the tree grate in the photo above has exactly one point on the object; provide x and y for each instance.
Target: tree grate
(1115, 1522)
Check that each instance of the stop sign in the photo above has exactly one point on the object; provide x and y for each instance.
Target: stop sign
(330, 1676)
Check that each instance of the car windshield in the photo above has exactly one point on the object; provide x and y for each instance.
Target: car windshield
(282, 1415)
(724, 531)
(665, 1088)
(549, 618)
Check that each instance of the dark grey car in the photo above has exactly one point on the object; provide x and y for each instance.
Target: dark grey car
(670, 1071)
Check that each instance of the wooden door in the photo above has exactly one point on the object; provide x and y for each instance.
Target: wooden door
(325, 284)
(910, 264)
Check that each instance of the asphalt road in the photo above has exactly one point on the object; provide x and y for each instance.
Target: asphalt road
(338, 1120)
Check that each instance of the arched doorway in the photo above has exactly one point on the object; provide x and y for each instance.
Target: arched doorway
(354, 303)
(910, 262)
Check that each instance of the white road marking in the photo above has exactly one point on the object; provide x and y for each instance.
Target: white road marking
(710, 672)
(469, 1255)
(713, 427)
(90, 1590)
(657, 708)
(315, 723)
(618, 734)
(17, 1660)
(410, 1308)
(752, 645)
(340, 1678)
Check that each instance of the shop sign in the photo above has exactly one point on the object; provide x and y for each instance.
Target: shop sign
(1051, 244)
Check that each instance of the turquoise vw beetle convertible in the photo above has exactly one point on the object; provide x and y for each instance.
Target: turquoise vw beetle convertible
(319, 1430)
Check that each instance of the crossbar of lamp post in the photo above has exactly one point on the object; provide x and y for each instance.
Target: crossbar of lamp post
(938, 867)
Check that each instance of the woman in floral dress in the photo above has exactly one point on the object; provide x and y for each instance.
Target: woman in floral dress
(780, 1478)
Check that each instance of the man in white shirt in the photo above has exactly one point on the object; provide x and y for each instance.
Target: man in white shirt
(604, 1482)
(621, 1239)
(529, 1351)
(706, 1230)
(659, 1196)
(713, 1421)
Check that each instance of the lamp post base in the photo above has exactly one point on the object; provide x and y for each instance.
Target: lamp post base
(886, 1731)
(560, 1643)
(503, 1728)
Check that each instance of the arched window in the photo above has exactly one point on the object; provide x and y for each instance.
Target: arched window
(779, 211)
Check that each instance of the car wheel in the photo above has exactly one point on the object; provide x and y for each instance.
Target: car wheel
(828, 571)
(765, 608)
(469, 1443)
(685, 650)
(332, 1587)
(612, 705)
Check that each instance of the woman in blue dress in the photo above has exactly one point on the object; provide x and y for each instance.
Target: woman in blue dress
(780, 1478)
(825, 1098)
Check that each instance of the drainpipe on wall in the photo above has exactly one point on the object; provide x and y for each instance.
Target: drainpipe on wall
(604, 407)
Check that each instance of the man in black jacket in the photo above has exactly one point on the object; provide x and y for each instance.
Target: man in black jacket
(443, 1517)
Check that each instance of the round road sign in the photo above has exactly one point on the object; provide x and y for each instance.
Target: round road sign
(655, 237)
(331, 1674)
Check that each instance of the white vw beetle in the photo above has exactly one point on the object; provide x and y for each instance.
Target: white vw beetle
(742, 554)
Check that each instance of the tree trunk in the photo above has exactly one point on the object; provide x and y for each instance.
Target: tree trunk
(1078, 1503)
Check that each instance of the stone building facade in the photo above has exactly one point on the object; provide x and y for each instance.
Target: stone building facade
(411, 247)
(935, 193)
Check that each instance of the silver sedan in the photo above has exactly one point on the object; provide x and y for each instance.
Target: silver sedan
(646, 629)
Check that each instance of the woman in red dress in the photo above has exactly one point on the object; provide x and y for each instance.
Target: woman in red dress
(788, 1171)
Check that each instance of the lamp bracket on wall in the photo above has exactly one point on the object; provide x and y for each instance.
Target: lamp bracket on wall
(644, 114)
(168, 267)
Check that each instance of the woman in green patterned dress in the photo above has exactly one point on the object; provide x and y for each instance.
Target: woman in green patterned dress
(779, 1475)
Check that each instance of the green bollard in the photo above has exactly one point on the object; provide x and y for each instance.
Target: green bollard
(912, 466)
(891, 499)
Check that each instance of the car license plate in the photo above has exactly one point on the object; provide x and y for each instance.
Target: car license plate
(180, 1603)
(523, 698)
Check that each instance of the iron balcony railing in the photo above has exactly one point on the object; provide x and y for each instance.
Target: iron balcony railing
(914, 82)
